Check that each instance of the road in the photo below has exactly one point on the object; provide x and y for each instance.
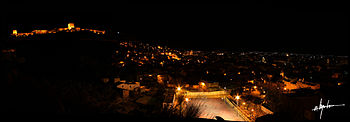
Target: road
(212, 107)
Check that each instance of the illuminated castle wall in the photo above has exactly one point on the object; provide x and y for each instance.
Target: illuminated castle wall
(70, 28)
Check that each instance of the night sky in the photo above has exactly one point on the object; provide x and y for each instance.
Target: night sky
(253, 27)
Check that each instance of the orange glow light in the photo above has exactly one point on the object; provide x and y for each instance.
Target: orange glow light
(179, 88)
(14, 32)
(251, 81)
(70, 25)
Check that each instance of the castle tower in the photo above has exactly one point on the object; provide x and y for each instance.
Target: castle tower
(14, 32)
(70, 25)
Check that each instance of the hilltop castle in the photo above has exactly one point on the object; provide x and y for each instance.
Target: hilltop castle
(70, 28)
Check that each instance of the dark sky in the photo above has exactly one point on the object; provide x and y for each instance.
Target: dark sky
(204, 26)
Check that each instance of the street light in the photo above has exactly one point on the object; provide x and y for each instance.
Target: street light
(178, 88)
(237, 98)
(186, 99)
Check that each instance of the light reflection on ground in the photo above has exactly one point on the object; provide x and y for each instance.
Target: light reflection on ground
(212, 107)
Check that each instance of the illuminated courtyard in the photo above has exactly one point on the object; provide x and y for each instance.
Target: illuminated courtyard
(212, 107)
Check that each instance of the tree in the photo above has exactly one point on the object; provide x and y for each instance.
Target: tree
(182, 110)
